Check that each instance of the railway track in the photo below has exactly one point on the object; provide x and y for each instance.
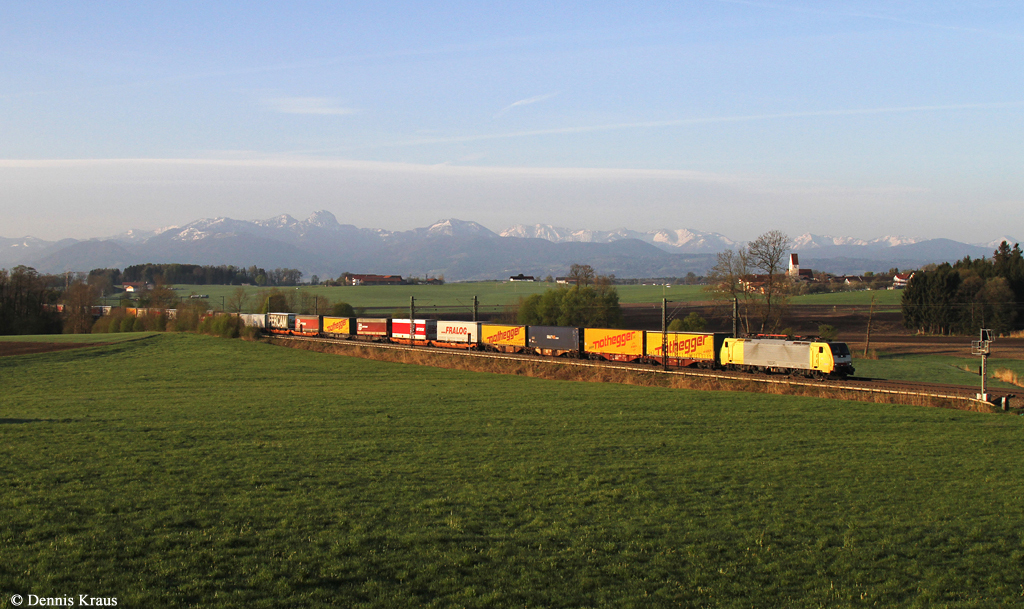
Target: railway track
(852, 384)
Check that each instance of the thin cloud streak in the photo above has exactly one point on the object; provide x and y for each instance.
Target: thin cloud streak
(525, 102)
(873, 16)
(707, 120)
(290, 162)
(308, 105)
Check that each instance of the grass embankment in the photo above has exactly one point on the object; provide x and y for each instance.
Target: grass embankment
(944, 369)
(565, 370)
(190, 471)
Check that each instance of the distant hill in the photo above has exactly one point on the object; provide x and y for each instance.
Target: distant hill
(458, 249)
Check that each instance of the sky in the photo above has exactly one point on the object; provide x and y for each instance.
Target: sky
(846, 118)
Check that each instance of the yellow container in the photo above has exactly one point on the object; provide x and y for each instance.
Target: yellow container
(338, 325)
(614, 342)
(511, 336)
(682, 345)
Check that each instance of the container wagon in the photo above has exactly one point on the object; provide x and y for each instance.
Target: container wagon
(503, 338)
(338, 327)
(685, 349)
(556, 341)
(614, 345)
(307, 325)
(413, 331)
(458, 334)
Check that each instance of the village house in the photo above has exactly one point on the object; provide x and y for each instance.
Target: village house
(900, 280)
(373, 280)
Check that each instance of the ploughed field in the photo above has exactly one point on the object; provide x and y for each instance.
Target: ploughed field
(183, 470)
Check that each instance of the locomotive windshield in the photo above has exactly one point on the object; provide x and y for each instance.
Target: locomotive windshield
(839, 349)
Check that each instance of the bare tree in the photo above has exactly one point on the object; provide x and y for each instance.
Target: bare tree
(79, 299)
(767, 253)
(727, 281)
(238, 299)
(581, 274)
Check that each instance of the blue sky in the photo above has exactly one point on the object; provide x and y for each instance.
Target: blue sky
(858, 118)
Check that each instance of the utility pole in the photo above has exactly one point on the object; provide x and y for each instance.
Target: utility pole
(867, 339)
(735, 317)
(664, 333)
(475, 306)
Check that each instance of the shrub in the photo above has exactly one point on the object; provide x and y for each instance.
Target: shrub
(188, 316)
(342, 309)
(224, 326)
(690, 323)
(101, 325)
(827, 331)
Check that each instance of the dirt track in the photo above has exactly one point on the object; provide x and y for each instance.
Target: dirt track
(15, 348)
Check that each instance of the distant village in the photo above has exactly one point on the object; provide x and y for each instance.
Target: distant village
(806, 280)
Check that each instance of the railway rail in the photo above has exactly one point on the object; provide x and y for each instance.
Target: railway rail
(853, 384)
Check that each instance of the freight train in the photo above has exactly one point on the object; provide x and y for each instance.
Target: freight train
(713, 350)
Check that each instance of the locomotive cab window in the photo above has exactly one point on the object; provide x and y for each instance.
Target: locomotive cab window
(840, 349)
(821, 349)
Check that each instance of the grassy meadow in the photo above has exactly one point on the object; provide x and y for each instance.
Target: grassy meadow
(491, 294)
(885, 300)
(189, 471)
(488, 293)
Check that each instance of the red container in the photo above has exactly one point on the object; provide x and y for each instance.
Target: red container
(307, 324)
(425, 329)
(373, 326)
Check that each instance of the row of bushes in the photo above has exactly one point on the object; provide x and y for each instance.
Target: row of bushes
(188, 319)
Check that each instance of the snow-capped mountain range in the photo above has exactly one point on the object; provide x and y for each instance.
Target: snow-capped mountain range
(681, 240)
(458, 249)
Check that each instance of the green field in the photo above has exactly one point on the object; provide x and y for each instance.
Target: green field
(884, 299)
(498, 294)
(187, 471)
(490, 294)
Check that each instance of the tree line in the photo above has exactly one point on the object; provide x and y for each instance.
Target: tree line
(24, 296)
(964, 297)
(196, 274)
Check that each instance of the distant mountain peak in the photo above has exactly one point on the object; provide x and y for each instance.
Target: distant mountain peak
(322, 219)
(995, 243)
(282, 220)
(454, 227)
